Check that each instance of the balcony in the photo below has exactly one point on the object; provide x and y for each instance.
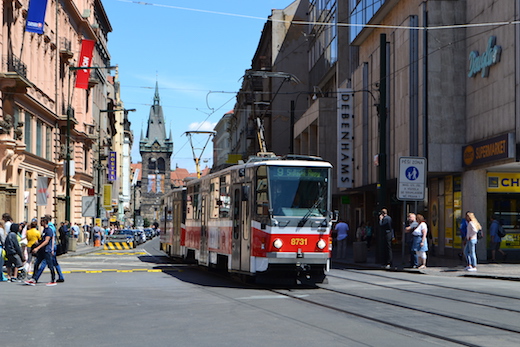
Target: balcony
(15, 65)
(13, 77)
(65, 49)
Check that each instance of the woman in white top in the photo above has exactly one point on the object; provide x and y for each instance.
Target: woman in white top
(471, 237)
(420, 242)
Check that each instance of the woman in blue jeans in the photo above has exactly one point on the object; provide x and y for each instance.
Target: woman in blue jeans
(471, 237)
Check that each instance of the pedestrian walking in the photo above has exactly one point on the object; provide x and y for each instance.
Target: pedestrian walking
(463, 232)
(361, 232)
(63, 237)
(33, 236)
(47, 246)
(15, 258)
(408, 237)
(75, 230)
(385, 227)
(420, 241)
(368, 234)
(471, 241)
(495, 239)
(6, 217)
(2, 239)
(342, 233)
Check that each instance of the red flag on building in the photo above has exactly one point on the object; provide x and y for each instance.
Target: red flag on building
(85, 58)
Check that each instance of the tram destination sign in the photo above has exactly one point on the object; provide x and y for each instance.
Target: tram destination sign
(412, 178)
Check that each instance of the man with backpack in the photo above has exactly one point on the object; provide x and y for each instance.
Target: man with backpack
(496, 233)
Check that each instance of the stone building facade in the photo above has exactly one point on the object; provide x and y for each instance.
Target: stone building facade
(436, 80)
(43, 114)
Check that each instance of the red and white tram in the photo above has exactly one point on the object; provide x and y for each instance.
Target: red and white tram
(270, 216)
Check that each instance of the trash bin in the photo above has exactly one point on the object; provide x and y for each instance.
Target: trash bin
(72, 244)
(360, 252)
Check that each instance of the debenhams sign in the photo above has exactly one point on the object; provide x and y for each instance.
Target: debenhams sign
(482, 63)
(345, 138)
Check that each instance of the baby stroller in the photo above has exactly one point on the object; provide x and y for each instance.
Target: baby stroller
(22, 272)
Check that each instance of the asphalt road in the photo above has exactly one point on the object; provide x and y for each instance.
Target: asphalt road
(140, 298)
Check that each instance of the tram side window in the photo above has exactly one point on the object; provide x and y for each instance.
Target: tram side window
(225, 202)
(194, 203)
(214, 197)
(262, 202)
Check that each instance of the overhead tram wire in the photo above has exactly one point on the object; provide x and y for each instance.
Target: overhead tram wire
(375, 26)
(198, 128)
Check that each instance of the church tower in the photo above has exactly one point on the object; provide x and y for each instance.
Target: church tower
(156, 150)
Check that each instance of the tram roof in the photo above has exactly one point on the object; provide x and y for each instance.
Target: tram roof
(296, 160)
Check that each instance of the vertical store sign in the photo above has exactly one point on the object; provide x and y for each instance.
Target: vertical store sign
(112, 168)
(36, 16)
(107, 196)
(345, 138)
(85, 59)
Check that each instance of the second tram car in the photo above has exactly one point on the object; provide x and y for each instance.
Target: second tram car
(265, 217)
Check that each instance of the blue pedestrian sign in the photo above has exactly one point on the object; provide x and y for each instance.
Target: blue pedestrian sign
(412, 178)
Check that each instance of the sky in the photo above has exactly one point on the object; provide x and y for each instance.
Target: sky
(196, 50)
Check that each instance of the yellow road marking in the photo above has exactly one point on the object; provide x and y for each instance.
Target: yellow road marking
(119, 271)
(120, 253)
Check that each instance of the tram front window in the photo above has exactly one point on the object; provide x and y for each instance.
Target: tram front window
(298, 191)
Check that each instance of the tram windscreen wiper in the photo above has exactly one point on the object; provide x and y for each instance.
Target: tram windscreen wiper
(305, 218)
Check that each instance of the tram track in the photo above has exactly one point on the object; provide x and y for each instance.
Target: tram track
(457, 299)
(466, 290)
(434, 314)
(398, 325)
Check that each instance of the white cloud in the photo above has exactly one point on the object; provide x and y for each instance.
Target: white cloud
(202, 126)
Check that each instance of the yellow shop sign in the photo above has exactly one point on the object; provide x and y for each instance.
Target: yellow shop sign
(503, 182)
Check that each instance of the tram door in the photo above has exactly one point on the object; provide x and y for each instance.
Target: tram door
(237, 215)
(203, 256)
(241, 249)
(245, 251)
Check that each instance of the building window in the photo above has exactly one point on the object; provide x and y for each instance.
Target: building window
(361, 12)
(324, 47)
(39, 138)
(27, 126)
(48, 143)
(85, 159)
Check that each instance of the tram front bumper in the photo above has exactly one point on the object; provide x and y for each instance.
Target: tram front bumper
(295, 257)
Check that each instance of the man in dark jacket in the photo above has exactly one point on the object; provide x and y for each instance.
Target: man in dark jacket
(14, 253)
(385, 226)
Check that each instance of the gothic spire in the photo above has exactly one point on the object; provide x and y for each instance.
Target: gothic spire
(156, 99)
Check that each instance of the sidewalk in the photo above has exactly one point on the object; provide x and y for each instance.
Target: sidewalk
(81, 249)
(436, 265)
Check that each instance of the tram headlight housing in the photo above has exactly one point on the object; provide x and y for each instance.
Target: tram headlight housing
(277, 243)
(321, 244)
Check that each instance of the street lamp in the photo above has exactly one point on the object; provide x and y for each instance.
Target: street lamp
(67, 145)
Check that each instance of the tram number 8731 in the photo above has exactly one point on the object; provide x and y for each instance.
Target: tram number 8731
(298, 242)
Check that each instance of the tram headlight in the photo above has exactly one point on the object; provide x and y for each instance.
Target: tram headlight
(321, 244)
(277, 243)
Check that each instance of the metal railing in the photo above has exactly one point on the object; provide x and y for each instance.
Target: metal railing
(65, 44)
(14, 64)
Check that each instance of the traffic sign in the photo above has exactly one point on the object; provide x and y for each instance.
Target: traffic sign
(88, 206)
(412, 178)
